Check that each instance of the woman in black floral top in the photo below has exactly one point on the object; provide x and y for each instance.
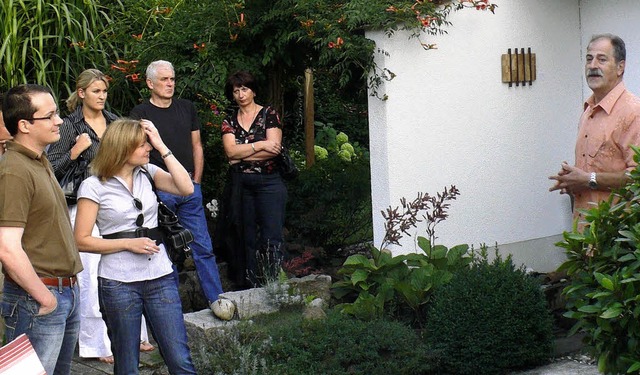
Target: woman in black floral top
(252, 140)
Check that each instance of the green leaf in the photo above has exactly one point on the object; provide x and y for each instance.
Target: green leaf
(573, 236)
(612, 312)
(628, 234)
(425, 245)
(590, 309)
(627, 258)
(358, 260)
(599, 294)
(633, 368)
(604, 281)
(360, 276)
(439, 252)
(602, 362)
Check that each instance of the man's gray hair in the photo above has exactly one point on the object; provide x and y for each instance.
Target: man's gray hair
(619, 49)
(152, 69)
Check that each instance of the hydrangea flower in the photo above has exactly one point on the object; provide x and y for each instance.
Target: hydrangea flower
(344, 155)
(320, 152)
(348, 147)
(342, 138)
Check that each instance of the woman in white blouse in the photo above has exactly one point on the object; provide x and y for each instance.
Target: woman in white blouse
(135, 275)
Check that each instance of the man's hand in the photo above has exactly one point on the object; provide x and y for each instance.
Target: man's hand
(47, 306)
(570, 179)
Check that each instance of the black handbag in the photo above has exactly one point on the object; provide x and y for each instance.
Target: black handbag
(176, 238)
(73, 177)
(288, 169)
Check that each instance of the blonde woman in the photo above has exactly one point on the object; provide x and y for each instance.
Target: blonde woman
(80, 135)
(135, 275)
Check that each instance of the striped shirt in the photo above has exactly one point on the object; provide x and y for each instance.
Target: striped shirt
(59, 153)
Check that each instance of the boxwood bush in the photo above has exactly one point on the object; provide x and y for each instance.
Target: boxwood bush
(489, 319)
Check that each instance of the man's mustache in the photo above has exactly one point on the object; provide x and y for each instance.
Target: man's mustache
(594, 73)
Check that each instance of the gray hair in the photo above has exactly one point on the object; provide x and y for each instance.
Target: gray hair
(152, 69)
(619, 49)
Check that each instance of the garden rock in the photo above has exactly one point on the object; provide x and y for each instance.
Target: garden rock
(200, 322)
(251, 302)
(312, 285)
(314, 313)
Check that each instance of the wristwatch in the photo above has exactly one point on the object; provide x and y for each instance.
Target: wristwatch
(593, 183)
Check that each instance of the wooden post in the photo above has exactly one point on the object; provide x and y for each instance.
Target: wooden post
(309, 129)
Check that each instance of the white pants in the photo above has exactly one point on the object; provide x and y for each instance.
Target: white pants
(93, 341)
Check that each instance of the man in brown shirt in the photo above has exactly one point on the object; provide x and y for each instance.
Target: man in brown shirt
(38, 254)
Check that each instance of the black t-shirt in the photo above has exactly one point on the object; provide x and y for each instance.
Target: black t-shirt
(175, 125)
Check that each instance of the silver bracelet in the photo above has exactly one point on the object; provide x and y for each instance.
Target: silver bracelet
(169, 153)
(253, 147)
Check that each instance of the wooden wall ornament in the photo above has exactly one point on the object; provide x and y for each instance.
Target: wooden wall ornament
(518, 67)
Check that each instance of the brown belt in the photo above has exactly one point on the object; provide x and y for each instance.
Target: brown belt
(52, 281)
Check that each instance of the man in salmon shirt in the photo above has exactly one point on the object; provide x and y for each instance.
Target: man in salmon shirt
(609, 125)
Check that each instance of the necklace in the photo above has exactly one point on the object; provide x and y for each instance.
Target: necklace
(242, 118)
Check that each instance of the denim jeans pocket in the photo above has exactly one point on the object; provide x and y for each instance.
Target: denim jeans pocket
(17, 310)
(37, 304)
(109, 284)
(9, 306)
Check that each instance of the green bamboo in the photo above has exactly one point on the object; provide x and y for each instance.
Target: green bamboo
(50, 42)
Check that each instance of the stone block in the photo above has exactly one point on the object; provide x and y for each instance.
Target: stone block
(252, 302)
(318, 286)
(259, 301)
(199, 322)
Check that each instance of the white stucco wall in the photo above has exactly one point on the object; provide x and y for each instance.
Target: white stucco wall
(450, 120)
(617, 17)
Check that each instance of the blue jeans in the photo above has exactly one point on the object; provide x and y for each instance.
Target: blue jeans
(54, 335)
(264, 198)
(190, 212)
(122, 306)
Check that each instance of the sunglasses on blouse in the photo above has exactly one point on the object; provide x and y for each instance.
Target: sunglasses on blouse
(137, 203)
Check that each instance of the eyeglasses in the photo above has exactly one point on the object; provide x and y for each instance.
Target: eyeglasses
(50, 117)
(137, 203)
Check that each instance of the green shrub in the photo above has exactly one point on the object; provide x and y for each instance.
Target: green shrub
(604, 268)
(237, 350)
(343, 345)
(490, 318)
(285, 344)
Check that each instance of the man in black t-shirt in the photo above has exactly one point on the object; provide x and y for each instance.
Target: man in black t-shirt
(179, 127)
